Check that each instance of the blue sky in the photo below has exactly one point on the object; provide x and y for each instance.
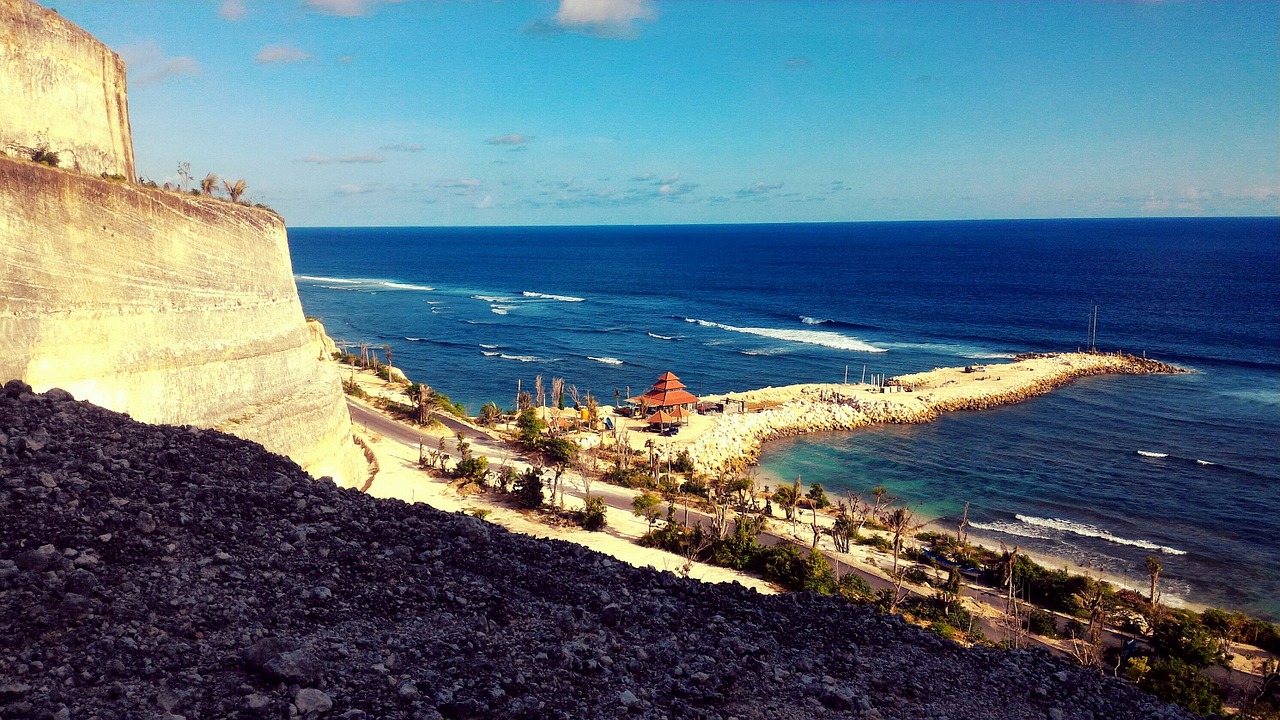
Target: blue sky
(455, 112)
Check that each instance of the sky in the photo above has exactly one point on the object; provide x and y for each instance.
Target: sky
(617, 112)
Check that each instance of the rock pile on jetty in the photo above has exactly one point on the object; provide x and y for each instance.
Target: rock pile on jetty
(165, 572)
(736, 440)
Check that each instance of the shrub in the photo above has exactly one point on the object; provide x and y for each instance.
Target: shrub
(560, 451)
(594, 513)
(530, 427)
(1177, 682)
(682, 462)
(472, 469)
(529, 489)
(45, 156)
(855, 588)
(1042, 623)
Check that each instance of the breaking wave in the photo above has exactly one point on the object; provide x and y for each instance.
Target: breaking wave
(1029, 526)
(517, 358)
(1083, 529)
(765, 352)
(606, 360)
(660, 337)
(548, 296)
(364, 283)
(1147, 453)
(822, 338)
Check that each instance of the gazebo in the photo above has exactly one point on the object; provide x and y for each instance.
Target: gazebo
(667, 400)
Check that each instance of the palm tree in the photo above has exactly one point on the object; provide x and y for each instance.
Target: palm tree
(387, 349)
(1153, 569)
(209, 184)
(235, 190)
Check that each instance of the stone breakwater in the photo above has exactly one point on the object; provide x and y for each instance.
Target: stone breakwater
(917, 398)
(153, 571)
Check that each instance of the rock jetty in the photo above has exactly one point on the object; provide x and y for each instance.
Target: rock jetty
(907, 399)
(173, 572)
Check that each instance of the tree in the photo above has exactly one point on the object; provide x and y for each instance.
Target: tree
(235, 190)
(645, 505)
(901, 523)
(818, 495)
(387, 349)
(557, 392)
(786, 497)
(184, 172)
(1153, 569)
(490, 413)
(209, 184)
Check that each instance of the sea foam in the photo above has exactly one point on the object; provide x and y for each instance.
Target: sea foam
(823, 338)
(1083, 529)
(548, 296)
(606, 360)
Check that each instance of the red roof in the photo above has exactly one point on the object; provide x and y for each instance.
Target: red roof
(665, 398)
(668, 381)
(661, 417)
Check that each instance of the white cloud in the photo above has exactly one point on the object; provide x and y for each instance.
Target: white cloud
(486, 203)
(597, 18)
(232, 10)
(509, 139)
(360, 189)
(149, 65)
(465, 183)
(403, 147)
(281, 54)
(366, 159)
(341, 8)
(760, 188)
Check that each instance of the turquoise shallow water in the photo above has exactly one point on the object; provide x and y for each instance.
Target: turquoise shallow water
(471, 311)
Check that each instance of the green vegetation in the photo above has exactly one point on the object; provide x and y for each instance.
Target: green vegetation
(45, 156)
(594, 513)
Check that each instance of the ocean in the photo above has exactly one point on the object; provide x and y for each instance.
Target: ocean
(1096, 476)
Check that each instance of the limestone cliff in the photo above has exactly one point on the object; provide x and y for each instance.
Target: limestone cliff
(170, 307)
(62, 89)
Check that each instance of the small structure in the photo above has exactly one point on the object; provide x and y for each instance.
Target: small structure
(667, 400)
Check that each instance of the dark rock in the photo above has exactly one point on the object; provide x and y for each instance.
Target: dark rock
(213, 579)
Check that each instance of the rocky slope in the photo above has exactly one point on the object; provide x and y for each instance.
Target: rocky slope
(150, 571)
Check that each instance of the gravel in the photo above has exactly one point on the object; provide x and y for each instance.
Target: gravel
(172, 572)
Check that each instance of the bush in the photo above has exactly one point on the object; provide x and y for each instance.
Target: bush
(594, 513)
(855, 588)
(531, 427)
(682, 462)
(560, 451)
(45, 156)
(472, 469)
(1177, 682)
(1043, 623)
(529, 489)
(1180, 635)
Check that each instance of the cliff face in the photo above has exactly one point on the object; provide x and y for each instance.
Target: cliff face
(172, 308)
(61, 88)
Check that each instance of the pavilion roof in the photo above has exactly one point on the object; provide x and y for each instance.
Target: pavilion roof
(665, 398)
(668, 381)
(661, 416)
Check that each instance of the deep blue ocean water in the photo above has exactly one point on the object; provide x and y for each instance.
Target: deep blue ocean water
(471, 310)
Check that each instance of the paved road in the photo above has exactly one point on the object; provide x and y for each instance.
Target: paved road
(374, 420)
